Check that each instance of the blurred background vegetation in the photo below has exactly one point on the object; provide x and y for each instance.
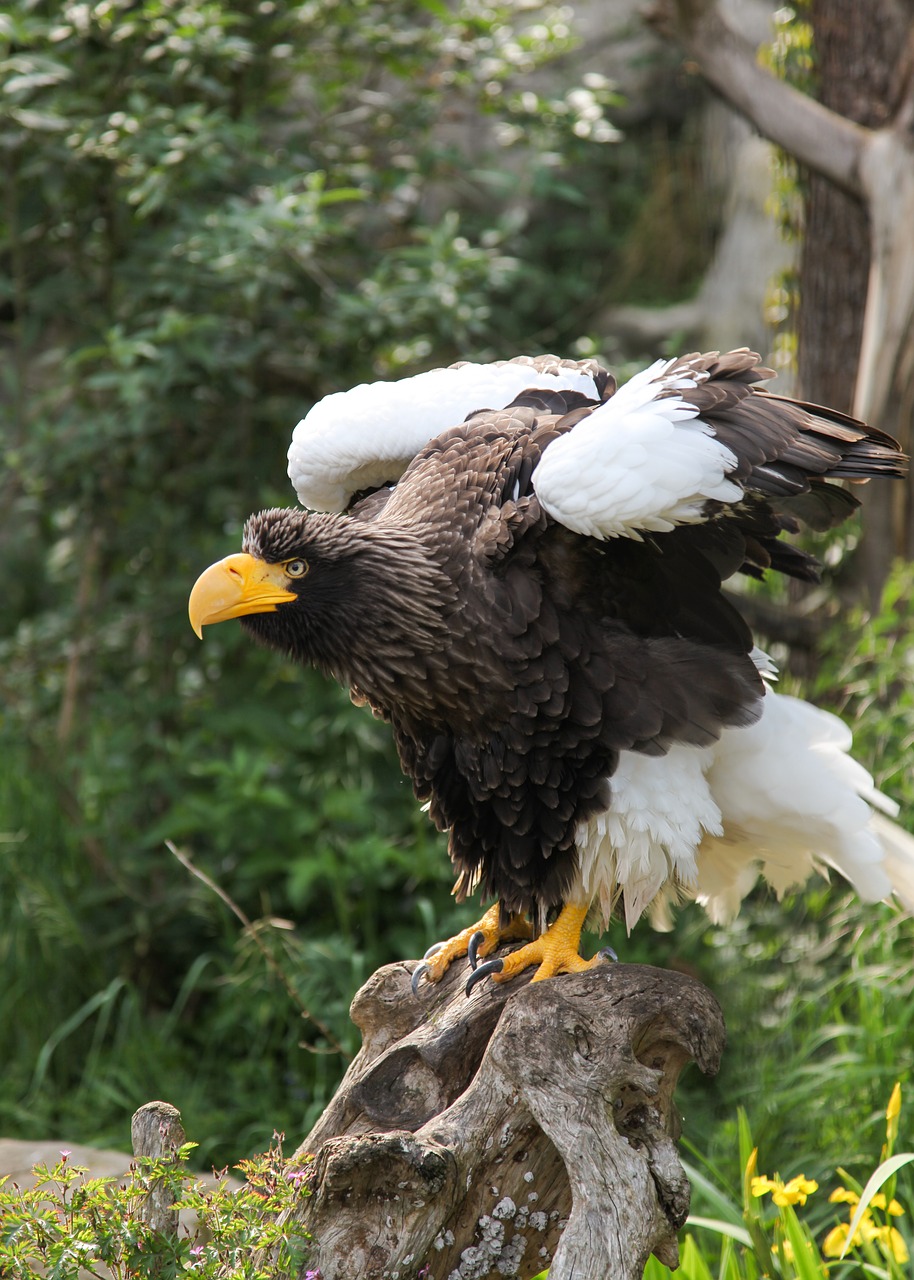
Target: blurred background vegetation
(214, 213)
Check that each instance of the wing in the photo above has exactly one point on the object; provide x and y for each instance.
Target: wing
(687, 438)
(669, 654)
(360, 440)
(560, 652)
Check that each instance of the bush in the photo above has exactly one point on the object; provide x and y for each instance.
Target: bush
(66, 1225)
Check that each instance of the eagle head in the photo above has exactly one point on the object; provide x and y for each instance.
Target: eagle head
(315, 586)
(270, 572)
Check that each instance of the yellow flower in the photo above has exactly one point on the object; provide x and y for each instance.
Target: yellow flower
(867, 1231)
(892, 1243)
(889, 1240)
(834, 1243)
(760, 1185)
(878, 1202)
(892, 1112)
(841, 1195)
(796, 1191)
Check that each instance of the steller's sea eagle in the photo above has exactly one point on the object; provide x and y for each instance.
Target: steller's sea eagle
(519, 566)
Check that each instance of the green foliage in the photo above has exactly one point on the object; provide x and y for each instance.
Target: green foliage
(824, 1015)
(214, 213)
(797, 1235)
(790, 56)
(66, 1225)
(791, 53)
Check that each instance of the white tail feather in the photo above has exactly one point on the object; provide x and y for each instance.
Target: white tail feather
(898, 857)
(781, 798)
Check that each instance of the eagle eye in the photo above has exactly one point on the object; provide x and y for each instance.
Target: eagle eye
(296, 568)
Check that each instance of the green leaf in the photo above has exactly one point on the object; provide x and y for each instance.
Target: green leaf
(805, 1256)
(38, 121)
(722, 1228)
(692, 1261)
(719, 1200)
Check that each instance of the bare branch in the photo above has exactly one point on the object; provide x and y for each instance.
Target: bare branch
(821, 139)
(275, 968)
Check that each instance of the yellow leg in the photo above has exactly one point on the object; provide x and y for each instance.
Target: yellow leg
(436, 962)
(555, 951)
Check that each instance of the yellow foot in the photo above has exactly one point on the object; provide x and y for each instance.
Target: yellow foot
(555, 951)
(479, 939)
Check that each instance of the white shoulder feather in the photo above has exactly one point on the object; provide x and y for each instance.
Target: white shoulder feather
(642, 461)
(367, 436)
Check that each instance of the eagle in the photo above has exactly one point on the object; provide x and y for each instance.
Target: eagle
(520, 567)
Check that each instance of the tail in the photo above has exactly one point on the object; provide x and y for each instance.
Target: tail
(898, 857)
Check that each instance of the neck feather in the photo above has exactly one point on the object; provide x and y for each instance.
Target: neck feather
(373, 608)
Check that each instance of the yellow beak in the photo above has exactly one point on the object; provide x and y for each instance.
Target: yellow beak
(236, 586)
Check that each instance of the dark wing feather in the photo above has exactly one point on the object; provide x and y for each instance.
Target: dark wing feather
(554, 651)
(783, 446)
(574, 651)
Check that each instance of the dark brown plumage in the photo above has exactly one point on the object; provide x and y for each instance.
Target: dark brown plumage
(515, 659)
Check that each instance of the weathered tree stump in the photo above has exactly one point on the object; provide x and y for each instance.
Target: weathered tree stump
(519, 1128)
(156, 1130)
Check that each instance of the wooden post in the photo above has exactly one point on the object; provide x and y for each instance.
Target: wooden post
(520, 1128)
(156, 1131)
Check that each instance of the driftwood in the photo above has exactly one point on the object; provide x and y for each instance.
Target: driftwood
(519, 1128)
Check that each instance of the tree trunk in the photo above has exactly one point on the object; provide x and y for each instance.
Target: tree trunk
(856, 48)
(523, 1127)
(857, 51)
(873, 164)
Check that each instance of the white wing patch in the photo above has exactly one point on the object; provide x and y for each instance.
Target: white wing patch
(793, 801)
(368, 436)
(781, 798)
(638, 463)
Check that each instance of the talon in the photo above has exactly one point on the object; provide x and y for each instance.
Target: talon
(418, 972)
(607, 953)
(483, 937)
(483, 971)
(553, 952)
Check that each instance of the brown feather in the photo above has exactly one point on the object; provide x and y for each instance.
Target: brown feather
(515, 659)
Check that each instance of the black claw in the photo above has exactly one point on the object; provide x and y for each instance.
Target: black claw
(418, 972)
(608, 954)
(483, 971)
(476, 942)
(433, 950)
